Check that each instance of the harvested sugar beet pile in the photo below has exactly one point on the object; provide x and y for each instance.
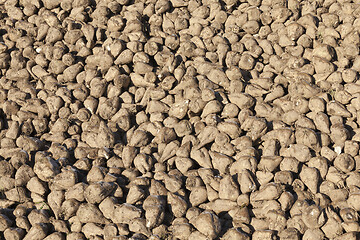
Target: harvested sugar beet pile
(179, 119)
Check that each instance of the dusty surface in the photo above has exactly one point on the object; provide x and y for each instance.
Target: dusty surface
(179, 119)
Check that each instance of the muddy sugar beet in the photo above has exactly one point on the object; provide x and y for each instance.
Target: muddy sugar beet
(179, 119)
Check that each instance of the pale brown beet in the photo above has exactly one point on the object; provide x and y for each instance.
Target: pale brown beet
(179, 119)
